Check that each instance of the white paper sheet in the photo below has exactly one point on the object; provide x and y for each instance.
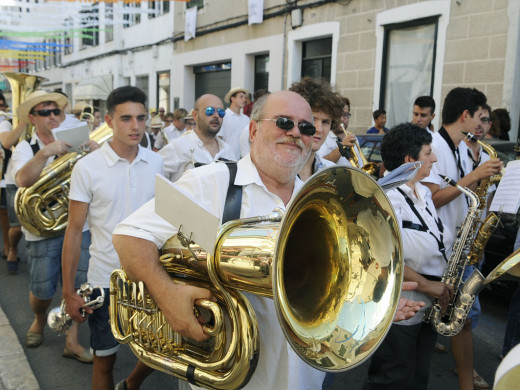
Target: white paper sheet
(507, 195)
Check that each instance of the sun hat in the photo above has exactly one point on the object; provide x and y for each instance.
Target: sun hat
(37, 97)
(232, 91)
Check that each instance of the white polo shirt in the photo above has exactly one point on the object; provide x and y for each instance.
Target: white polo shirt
(420, 249)
(114, 188)
(278, 366)
(182, 153)
(454, 212)
(231, 129)
(22, 155)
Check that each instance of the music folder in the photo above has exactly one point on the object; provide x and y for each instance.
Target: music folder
(74, 135)
(181, 211)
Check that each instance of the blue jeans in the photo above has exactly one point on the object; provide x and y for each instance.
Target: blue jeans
(44, 259)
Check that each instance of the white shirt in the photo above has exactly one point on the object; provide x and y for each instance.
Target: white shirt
(278, 366)
(245, 145)
(452, 214)
(22, 155)
(231, 129)
(114, 188)
(420, 249)
(328, 146)
(5, 126)
(182, 153)
(171, 133)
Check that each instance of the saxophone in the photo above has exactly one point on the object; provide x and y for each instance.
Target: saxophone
(484, 228)
(451, 321)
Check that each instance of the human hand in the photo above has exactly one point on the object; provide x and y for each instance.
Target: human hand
(440, 291)
(407, 308)
(349, 140)
(57, 147)
(74, 307)
(489, 168)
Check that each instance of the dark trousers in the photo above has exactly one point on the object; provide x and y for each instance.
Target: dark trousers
(403, 359)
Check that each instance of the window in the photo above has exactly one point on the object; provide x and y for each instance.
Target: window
(262, 72)
(195, 3)
(163, 89)
(316, 58)
(90, 26)
(141, 82)
(67, 36)
(132, 16)
(159, 7)
(109, 21)
(408, 66)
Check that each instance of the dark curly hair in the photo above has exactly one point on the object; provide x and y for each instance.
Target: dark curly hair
(321, 97)
(403, 140)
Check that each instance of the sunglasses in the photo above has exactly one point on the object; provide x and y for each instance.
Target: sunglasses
(47, 112)
(288, 124)
(211, 110)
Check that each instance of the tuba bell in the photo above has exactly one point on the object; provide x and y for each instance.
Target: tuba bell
(331, 262)
(42, 208)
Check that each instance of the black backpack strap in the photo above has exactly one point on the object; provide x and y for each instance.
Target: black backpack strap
(234, 196)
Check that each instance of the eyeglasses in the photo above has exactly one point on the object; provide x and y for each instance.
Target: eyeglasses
(485, 119)
(347, 115)
(211, 110)
(47, 112)
(288, 124)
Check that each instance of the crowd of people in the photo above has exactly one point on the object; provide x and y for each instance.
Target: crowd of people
(278, 141)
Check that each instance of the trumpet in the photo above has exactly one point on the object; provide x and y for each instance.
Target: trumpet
(58, 319)
(357, 160)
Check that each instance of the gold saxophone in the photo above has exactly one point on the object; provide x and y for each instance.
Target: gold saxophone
(42, 208)
(488, 226)
(332, 262)
(451, 321)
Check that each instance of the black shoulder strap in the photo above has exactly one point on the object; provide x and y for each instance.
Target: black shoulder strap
(234, 196)
(35, 147)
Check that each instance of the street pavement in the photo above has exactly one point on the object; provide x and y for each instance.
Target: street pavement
(45, 368)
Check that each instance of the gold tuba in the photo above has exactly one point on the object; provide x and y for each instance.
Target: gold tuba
(332, 263)
(42, 208)
(22, 85)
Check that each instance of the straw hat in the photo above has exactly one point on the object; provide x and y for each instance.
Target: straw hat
(36, 98)
(79, 106)
(232, 91)
(156, 123)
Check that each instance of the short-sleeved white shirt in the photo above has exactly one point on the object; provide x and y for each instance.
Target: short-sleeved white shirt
(5, 126)
(181, 153)
(245, 145)
(454, 212)
(114, 188)
(22, 154)
(231, 129)
(278, 366)
(171, 133)
(328, 146)
(420, 249)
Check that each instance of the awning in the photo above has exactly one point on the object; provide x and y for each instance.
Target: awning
(93, 88)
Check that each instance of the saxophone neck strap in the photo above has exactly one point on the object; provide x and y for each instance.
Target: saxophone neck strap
(423, 227)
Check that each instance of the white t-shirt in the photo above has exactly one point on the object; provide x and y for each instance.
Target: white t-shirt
(5, 126)
(231, 129)
(114, 188)
(22, 154)
(182, 153)
(278, 366)
(420, 249)
(454, 212)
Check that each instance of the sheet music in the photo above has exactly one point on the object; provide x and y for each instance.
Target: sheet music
(173, 205)
(507, 195)
(74, 135)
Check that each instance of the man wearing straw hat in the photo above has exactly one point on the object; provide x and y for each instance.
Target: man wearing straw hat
(234, 121)
(43, 110)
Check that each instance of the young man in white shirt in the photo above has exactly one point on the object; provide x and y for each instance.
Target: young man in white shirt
(423, 112)
(235, 120)
(461, 112)
(106, 187)
(200, 146)
(174, 128)
(327, 109)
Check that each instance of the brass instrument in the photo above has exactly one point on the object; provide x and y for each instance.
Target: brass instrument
(451, 321)
(332, 263)
(488, 226)
(42, 208)
(22, 85)
(359, 160)
(87, 114)
(58, 319)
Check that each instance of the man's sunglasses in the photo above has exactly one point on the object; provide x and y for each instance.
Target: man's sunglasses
(211, 110)
(47, 112)
(287, 124)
